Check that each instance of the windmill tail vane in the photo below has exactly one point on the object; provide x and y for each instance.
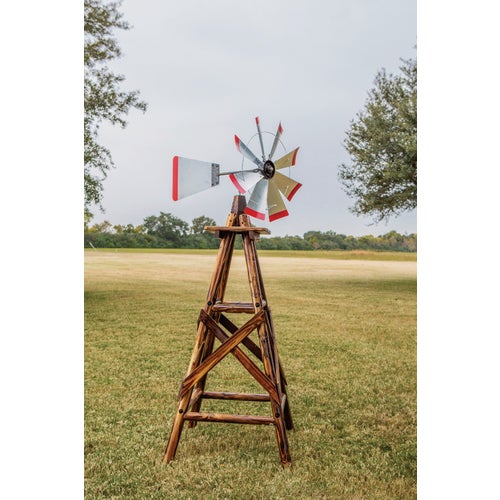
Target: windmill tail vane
(267, 186)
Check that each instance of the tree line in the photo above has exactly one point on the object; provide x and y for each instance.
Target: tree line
(168, 231)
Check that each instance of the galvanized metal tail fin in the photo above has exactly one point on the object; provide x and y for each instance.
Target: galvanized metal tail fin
(192, 176)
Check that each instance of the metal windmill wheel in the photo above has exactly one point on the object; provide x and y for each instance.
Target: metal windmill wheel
(268, 187)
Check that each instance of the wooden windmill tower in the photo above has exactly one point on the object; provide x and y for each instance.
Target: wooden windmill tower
(260, 358)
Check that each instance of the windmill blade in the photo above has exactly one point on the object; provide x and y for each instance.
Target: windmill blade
(245, 180)
(258, 200)
(286, 185)
(276, 140)
(245, 151)
(260, 138)
(275, 203)
(286, 161)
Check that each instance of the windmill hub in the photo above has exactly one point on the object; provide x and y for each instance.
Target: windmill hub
(268, 169)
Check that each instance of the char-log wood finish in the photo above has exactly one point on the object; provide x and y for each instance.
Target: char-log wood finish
(213, 324)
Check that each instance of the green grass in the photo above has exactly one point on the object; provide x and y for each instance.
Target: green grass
(346, 333)
(312, 254)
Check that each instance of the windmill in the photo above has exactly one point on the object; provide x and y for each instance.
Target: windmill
(259, 357)
(266, 184)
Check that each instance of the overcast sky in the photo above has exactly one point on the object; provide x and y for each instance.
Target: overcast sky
(207, 69)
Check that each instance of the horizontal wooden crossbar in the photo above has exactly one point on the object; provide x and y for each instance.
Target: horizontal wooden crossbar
(237, 229)
(235, 396)
(228, 419)
(235, 307)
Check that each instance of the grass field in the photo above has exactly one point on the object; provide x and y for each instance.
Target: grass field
(346, 331)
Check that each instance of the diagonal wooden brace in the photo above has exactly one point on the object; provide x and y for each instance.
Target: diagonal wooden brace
(252, 368)
(248, 343)
(220, 353)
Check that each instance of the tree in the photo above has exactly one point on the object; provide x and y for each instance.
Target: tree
(87, 218)
(200, 222)
(382, 144)
(103, 227)
(166, 227)
(103, 99)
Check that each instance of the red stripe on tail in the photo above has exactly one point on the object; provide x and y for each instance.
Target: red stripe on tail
(175, 178)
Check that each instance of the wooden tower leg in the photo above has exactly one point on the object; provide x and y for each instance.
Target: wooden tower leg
(267, 342)
(203, 343)
(280, 375)
(215, 294)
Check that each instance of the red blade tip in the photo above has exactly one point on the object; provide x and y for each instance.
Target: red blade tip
(278, 215)
(293, 191)
(253, 213)
(238, 186)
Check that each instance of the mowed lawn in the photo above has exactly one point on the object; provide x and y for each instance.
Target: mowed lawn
(346, 331)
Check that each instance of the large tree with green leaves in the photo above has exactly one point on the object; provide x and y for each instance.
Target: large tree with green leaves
(167, 227)
(103, 98)
(198, 224)
(382, 144)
